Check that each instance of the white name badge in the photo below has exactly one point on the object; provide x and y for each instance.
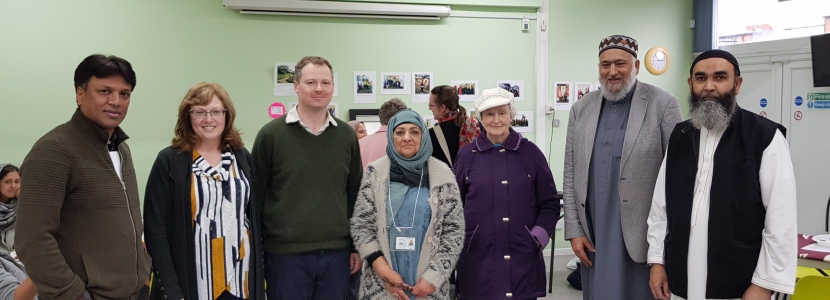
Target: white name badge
(405, 243)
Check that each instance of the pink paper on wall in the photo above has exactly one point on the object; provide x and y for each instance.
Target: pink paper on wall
(276, 110)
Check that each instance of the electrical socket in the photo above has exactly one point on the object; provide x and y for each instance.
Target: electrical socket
(549, 109)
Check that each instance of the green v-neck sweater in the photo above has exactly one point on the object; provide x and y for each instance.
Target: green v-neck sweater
(306, 186)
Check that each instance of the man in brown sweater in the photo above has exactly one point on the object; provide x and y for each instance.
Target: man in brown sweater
(79, 219)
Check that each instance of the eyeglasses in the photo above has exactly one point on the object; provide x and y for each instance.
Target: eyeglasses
(201, 114)
(432, 105)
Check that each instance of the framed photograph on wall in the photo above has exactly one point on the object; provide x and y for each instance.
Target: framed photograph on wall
(429, 120)
(365, 87)
(395, 83)
(517, 87)
(334, 109)
(284, 79)
(421, 86)
(582, 88)
(468, 90)
(562, 95)
(523, 121)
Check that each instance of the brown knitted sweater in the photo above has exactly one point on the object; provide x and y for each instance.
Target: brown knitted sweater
(78, 226)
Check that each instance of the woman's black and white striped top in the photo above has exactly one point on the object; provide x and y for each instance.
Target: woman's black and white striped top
(219, 197)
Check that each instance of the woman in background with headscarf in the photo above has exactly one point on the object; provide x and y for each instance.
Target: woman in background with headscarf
(408, 222)
(359, 128)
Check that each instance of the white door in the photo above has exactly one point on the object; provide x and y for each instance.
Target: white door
(761, 89)
(807, 128)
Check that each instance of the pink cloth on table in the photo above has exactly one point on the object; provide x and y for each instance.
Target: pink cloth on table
(805, 240)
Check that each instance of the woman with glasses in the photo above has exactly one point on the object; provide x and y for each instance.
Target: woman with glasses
(201, 225)
(455, 129)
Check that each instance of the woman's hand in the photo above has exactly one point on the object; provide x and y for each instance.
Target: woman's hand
(391, 279)
(395, 285)
(423, 288)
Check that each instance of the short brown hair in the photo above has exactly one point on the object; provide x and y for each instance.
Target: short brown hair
(298, 69)
(389, 108)
(202, 94)
(448, 96)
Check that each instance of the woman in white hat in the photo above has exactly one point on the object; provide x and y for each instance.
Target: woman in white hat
(510, 207)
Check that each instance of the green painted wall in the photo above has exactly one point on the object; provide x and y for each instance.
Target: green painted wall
(174, 44)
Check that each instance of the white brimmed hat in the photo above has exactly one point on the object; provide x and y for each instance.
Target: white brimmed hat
(494, 97)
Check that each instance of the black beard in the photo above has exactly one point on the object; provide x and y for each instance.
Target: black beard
(712, 114)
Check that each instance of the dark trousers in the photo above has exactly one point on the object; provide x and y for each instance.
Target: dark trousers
(354, 285)
(315, 275)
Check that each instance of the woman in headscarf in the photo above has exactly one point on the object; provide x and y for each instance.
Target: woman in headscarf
(408, 222)
(359, 128)
(510, 206)
(9, 190)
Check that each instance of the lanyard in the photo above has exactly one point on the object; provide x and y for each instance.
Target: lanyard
(389, 198)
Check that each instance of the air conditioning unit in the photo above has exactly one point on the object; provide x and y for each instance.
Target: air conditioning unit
(339, 9)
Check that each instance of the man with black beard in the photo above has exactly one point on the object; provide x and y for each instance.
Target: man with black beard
(723, 220)
(616, 140)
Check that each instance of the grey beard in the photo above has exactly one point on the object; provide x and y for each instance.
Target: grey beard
(709, 114)
(626, 87)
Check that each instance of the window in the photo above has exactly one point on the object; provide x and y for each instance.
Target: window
(743, 21)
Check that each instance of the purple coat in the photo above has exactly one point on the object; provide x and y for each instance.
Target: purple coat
(510, 202)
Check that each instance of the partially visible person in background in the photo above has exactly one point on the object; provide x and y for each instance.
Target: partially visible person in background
(14, 283)
(9, 189)
(359, 128)
(374, 145)
(454, 129)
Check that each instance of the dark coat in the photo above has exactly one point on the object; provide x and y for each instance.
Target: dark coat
(168, 227)
(507, 192)
(452, 133)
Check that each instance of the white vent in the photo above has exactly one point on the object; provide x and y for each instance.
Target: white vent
(339, 9)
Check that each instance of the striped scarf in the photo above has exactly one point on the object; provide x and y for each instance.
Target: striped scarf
(8, 214)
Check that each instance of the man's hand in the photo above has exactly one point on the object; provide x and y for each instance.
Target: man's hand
(659, 282)
(755, 292)
(423, 288)
(356, 263)
(580, 245)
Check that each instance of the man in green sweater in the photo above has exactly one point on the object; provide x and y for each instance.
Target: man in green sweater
(79, 217)
(307, 175)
